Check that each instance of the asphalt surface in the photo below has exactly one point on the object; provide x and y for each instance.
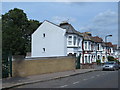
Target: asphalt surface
(96, 79)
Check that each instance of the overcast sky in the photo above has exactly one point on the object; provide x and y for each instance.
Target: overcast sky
(99, 18)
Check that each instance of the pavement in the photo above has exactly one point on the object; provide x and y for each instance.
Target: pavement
(13, 82)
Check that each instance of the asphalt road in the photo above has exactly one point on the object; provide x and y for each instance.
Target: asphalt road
(96, 79)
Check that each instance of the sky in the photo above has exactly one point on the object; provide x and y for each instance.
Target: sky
(99, 18)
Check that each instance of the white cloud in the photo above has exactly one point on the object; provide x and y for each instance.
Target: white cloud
(59, 19)
(106, 18)
(103, 20)
(103, 24)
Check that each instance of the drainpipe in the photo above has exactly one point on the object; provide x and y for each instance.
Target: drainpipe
(83, 51)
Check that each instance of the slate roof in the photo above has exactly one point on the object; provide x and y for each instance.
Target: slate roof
(69, 28)
(87, 37)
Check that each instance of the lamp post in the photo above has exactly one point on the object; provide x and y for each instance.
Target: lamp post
(106, 37)
(106, 42)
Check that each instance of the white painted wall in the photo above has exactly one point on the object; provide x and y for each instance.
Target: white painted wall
(54, 41)
(89, 60)
(74, 48)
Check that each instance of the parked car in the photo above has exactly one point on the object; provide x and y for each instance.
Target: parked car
(111, 65)
(119, 65)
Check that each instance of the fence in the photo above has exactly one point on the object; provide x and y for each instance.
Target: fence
(6, 65)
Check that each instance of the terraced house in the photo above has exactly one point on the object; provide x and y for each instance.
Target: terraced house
(51, 40)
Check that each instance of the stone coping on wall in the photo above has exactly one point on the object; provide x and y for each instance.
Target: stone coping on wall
(41, 58)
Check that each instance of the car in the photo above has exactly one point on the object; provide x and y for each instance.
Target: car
(111, 65)
(119, 65)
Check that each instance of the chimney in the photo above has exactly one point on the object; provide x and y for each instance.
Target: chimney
(88, 33)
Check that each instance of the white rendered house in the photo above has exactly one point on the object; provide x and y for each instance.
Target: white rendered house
(74, 40)
(49, 40)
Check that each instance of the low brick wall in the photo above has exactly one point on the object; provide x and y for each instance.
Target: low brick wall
(87, 66)
(36, 66)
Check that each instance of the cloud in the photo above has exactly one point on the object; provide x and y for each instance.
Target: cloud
(103, 24)
(103, 20)
(106, 18)
(59, 19)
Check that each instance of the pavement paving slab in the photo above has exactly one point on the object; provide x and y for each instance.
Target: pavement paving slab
(19, 81)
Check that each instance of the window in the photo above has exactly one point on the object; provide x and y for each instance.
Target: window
(85, 45)
(89, 59)
(89, 46)
(69, 42)
(110, 50)
(43, 34)
(85, 59)
(69, 37)
(78, 41)
(74, 40)
(43, 49)
(92, 47)
(103, 48)
(98, 56)
(98, 47)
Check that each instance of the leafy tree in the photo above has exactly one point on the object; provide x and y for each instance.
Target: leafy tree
(31, 27)
(111, 58)
(16, 31)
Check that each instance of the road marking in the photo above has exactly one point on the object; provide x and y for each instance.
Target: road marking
(98, 75)
(84, 79)
(64, 86)
(92, 77)
(76, 82)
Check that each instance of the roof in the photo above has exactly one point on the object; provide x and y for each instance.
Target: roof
(109, 44)
(50, 22)
(87, 37)
(103, 44)
(69, 28)
(115, 46)
(97, 39)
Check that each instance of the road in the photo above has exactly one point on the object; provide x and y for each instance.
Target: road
(96, 79)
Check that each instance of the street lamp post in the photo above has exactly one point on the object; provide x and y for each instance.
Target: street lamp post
(106, 42)
(106, 37)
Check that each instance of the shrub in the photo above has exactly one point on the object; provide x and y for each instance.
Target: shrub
(98, 61)
(111, 58)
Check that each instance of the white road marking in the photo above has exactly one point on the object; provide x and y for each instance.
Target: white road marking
(76, 82)
(84, 79)
(93, 77)
(64, 86)
(98, 75)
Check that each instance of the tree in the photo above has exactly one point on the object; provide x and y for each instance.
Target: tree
(111, 58)
(16, 31)
(32, 26)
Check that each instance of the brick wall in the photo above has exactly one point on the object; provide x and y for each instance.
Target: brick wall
(36, 66)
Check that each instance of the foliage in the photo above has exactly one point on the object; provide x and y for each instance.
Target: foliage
(16, 32)
(111, 58)
(98, 61)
